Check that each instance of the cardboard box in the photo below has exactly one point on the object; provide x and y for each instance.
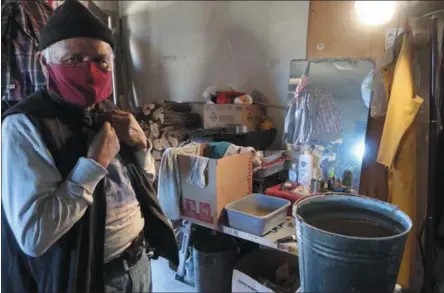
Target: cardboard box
(251, 267)
(223, 115)
(227, 179)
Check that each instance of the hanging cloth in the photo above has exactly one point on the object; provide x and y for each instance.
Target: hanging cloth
(397, 149)
(402, 108)
(311, 114)
(21, 71)
(439, 228)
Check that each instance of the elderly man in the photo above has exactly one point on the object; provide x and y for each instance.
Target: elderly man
(78, 208)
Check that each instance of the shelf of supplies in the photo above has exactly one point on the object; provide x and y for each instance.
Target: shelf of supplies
(268, 240)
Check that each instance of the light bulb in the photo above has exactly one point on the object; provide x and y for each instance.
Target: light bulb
(375, 12)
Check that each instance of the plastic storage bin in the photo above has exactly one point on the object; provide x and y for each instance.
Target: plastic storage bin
(257, 213)
(268, 157)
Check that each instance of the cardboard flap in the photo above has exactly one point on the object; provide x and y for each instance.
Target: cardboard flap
(243, 283)
(234, 176)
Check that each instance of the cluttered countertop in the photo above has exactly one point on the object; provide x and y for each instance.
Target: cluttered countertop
(218, 173)
(221, 181)
(218, 191)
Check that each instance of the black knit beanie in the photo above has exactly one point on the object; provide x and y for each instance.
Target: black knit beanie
(72, 20)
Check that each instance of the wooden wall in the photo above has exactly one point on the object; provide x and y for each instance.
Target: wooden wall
(335, 31)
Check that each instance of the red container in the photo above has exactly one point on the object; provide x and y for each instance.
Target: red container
(285, 194)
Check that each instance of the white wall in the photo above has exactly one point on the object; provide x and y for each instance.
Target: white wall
(107, 5)
(175, 49)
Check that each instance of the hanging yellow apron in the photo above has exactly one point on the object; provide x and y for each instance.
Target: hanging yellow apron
(397, 149)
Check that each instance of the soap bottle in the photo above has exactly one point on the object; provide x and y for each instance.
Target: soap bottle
(305, 168)
(293, 153)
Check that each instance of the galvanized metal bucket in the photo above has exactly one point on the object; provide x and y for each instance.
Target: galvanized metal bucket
(349, 243)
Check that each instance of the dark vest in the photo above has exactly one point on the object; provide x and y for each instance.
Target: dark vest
(75, 262)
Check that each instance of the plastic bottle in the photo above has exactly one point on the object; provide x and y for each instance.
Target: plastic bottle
(317, 173)
(347, 180)
(305, 168)
(293, 173)
(331, 180)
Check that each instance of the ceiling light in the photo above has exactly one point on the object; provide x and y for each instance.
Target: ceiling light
(375, 12)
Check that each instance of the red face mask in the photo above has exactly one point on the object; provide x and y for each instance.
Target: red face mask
(83, 84)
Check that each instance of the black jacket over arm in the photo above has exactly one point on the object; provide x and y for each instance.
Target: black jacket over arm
(75, 262)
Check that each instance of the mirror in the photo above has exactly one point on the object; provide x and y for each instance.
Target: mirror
(328, 108)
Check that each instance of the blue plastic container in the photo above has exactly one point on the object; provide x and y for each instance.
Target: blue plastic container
(257, 213)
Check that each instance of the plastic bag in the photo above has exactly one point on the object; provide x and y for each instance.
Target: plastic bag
(379, 101)
(366, 88)
(373, 94)
(211, 90)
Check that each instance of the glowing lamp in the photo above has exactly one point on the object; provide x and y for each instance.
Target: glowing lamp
(375, 12)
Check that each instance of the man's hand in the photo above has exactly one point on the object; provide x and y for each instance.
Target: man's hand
(105, 146)
(128, 129)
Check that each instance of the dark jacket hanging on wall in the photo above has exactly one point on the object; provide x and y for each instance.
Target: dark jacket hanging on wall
(21, 71)
(439, 222)
(75, 262)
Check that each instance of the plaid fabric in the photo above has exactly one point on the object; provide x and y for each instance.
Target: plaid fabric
(55, 3)
(312, 113)
(21, 71)
(328, 118)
